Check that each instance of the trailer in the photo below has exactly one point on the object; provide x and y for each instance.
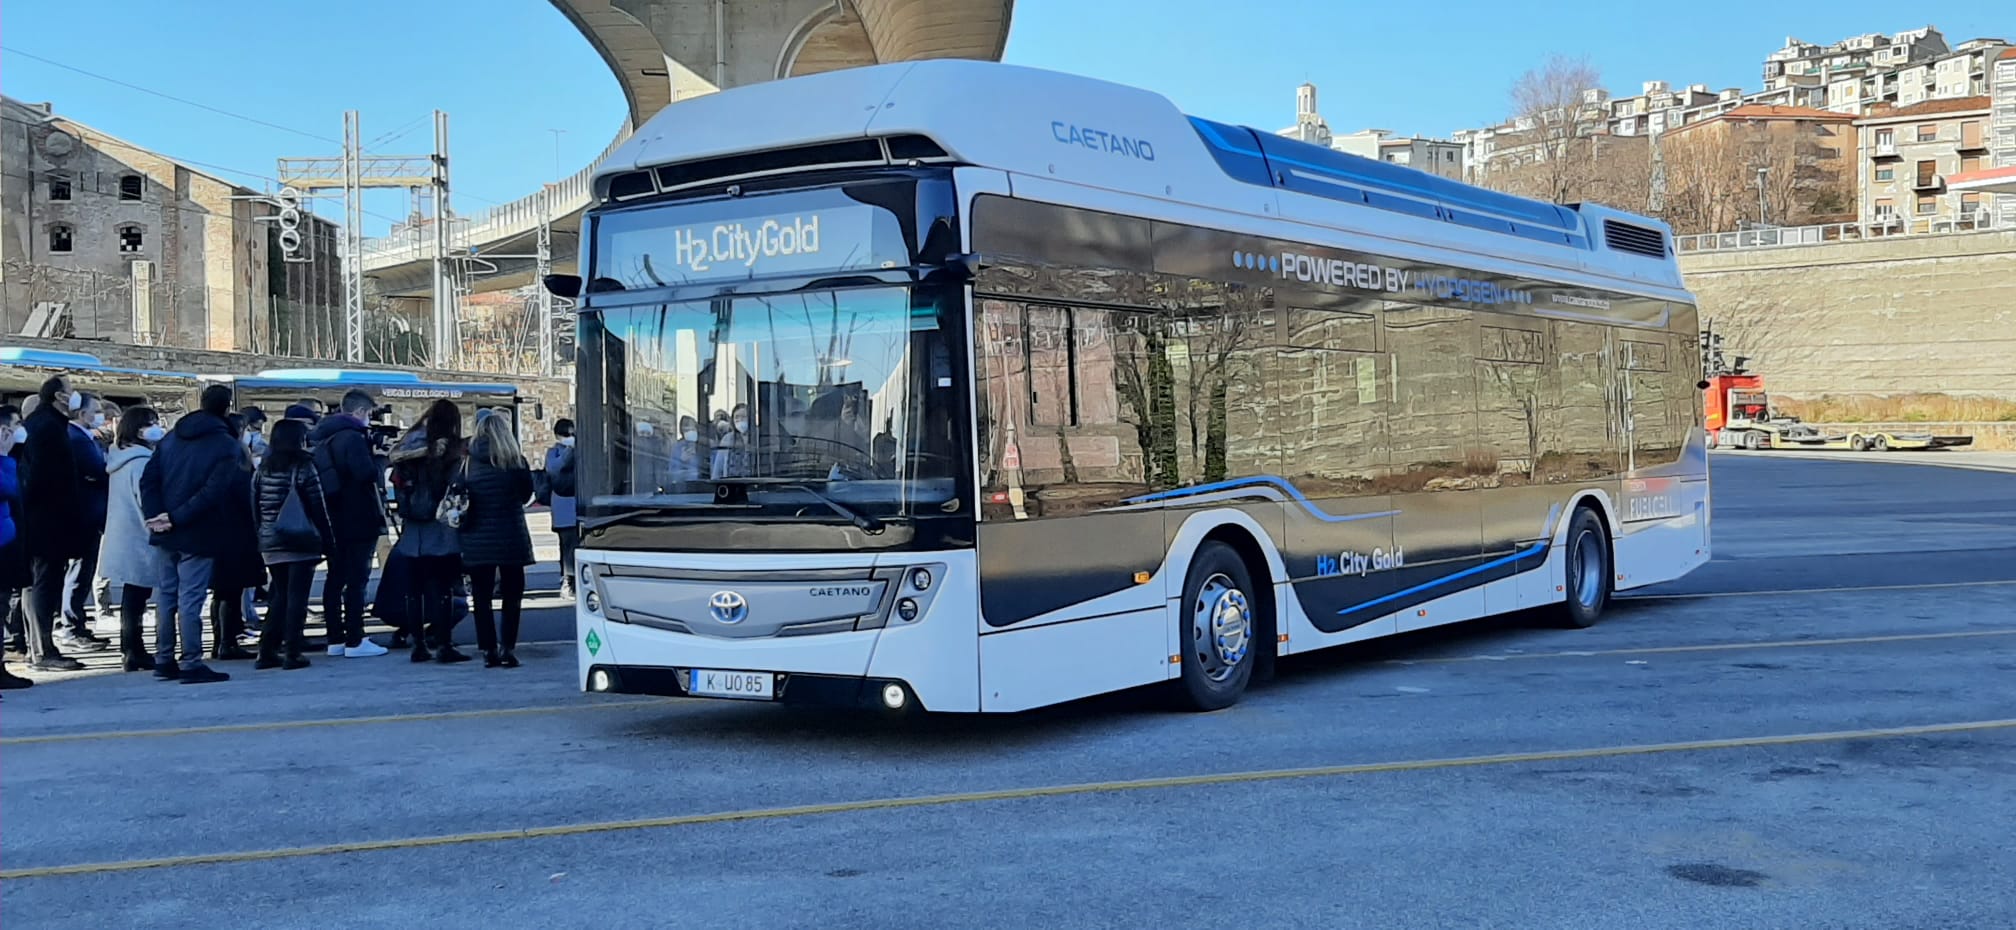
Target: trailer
(1739, 415)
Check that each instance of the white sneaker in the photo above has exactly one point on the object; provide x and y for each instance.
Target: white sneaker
(335, 650)
(365, 649)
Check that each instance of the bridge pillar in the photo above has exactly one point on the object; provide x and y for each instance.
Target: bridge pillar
(666, 50)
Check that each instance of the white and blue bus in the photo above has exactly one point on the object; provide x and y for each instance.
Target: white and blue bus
(403, 396)
(971, 387)
(22, 371)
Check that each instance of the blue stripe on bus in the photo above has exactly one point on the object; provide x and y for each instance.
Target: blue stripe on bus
(1260, 481)
(1525, 553)
(1351, 178)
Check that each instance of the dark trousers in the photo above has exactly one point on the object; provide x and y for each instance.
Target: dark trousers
(287, 609)
(43, 601)
(78, 580)
(485, 579)
(569, 538)
(17, 622)
(227, 621)
(430, 612)
(343, 591)
(132, 613)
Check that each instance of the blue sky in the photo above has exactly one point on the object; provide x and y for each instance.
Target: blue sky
(508, 71)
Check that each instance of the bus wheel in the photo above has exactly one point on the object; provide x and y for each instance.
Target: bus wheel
(1219, 628)
(1589, 571)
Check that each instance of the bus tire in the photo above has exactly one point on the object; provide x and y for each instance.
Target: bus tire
(1590, 570)
(1219, 627)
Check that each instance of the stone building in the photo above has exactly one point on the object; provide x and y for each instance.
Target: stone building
(103, 239)
(1906, 155)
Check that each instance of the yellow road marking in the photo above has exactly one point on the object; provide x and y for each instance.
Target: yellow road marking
(327, 722)
(980, 797)
(1708, 647)
(1844, 589)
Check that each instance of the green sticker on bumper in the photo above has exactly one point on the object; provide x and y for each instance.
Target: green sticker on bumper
(594, 643)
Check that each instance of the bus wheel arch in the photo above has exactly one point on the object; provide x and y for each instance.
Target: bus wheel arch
(1266, 607)
(1218, 631)
(1588, 562)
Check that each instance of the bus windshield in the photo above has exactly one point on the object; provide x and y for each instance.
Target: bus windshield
(817, 405)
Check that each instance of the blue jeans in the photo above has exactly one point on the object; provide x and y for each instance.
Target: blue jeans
(184, 589)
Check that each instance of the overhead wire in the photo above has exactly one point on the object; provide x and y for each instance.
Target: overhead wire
(181, 100)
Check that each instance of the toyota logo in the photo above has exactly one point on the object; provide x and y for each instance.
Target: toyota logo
(728, 607)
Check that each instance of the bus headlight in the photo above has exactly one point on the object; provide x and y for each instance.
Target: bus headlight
(589, 599)
(920, 579)
(598, 680)
(893, 696)
(906, 609)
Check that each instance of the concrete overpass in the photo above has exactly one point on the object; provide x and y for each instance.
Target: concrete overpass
(662, 51)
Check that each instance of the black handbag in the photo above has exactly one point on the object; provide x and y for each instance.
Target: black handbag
(293, 528)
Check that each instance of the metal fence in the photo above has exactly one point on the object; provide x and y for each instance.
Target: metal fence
(1781, 236)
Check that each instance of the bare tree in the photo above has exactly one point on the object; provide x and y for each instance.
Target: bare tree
(1721, 176)
(1557, 106)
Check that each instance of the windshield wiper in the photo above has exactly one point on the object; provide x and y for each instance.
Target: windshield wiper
(664, 511)
(861, 521)
(866, 523)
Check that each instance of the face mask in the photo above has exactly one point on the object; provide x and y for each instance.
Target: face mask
(76, 400)
(567, 441)
(154, 433)
(645, 429)
(20, 434)
(97, 421)
(741, 426)
(692, 435)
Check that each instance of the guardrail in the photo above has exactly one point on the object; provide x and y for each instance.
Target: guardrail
(500, 222)
(1781, 236)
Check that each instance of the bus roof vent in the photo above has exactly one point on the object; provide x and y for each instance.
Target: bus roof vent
(631, 184)
(846, 153)
(1637, 240)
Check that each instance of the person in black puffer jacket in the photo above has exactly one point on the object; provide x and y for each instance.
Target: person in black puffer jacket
(426, 467)
(496, 545)
(289, 546)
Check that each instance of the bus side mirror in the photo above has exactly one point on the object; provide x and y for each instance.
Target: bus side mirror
(964, 266)
(563, 285)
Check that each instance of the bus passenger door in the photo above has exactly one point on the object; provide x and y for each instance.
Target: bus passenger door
(1518, 425)
(1330, 404)
(1438, 471)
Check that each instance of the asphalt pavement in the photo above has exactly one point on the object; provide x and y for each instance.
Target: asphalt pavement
(1816, 730)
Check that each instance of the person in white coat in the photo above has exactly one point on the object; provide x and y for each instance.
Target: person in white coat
(126, 559)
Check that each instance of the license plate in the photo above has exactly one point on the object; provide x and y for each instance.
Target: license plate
(748, 686)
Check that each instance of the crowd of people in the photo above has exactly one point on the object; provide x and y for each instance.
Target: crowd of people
(199, 518)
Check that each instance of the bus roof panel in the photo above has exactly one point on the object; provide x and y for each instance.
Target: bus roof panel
(1094, 134)
(49, 358)
(340, 375)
